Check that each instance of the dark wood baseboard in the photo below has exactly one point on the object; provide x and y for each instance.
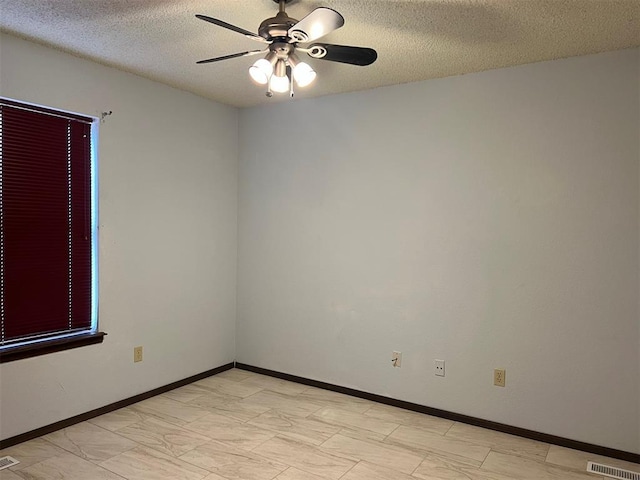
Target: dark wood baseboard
(457, 417)
(38, 432)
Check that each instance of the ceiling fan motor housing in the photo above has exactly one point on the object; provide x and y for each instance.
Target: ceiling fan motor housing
(277, 27)
(282, 49)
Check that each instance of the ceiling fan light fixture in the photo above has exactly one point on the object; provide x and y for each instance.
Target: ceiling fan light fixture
(261, 71)
(279, 79)
(304, 74)
(280, 84)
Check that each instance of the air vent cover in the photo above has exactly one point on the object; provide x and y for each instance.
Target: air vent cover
(6, 462)
(612, 472)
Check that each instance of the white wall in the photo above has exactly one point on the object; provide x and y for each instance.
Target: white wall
(490, 220)
(168, 227)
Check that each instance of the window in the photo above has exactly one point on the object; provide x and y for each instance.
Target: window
(47, 239)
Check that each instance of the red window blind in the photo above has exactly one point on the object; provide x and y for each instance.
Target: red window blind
(45, 222)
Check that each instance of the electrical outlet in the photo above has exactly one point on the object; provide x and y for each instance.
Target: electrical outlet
(137, 354)
(439, 365)
(396, 359)
(499, 377)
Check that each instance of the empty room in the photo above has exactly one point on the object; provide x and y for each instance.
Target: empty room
(312, 240)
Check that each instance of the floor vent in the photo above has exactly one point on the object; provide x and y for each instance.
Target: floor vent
(6, 462)
(612, 472)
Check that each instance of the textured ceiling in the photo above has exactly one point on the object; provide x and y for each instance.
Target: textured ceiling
(415, 39)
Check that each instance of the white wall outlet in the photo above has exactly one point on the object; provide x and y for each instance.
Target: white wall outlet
(439, 365)
(396, 359)
(499, 377)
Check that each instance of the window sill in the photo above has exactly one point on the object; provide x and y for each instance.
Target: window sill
(10, 354)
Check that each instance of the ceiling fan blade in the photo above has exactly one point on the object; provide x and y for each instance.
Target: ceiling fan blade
(233, 55)
(233, 28)
(345, 54)
(317, 24)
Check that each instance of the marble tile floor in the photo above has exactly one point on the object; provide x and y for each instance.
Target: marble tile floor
(240, 425)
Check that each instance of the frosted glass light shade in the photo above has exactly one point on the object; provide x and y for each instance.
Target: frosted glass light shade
(261, 71)
(279, 84)
(304, 74)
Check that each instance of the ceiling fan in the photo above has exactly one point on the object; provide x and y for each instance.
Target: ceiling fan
(283, 37)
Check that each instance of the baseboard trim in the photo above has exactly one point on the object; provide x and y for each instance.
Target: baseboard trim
(457, 417)
(38, 432)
